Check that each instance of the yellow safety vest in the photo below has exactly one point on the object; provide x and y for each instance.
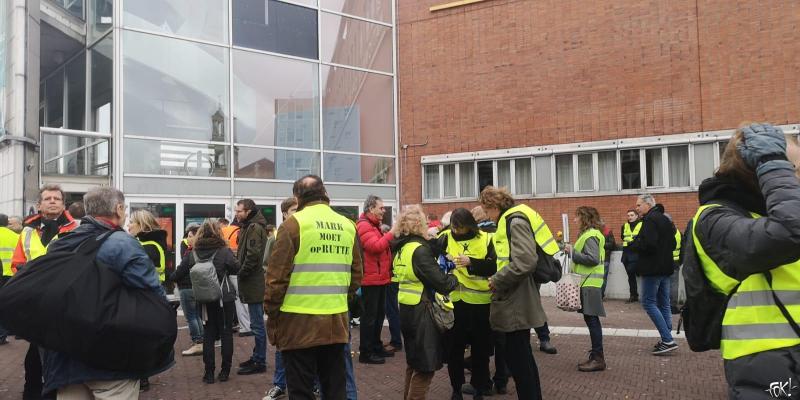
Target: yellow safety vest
(541, 233)
(628, 235)
(676, 254)
(471, 289)
(592, 275)
(410, 291)
(161, 268)
(32, 244)
(753, 323)
(321, 275)
(8, 242)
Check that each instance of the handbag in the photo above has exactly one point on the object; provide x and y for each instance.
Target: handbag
(568, 289)
(441, 311)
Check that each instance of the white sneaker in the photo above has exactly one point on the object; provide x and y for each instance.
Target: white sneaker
(195, 350)
(275, 393)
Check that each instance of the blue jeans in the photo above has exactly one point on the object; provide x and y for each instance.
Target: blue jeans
(256, 311)
(393, 315)
(595, 333)
(655, 301)
(279, 376)
(189, 307)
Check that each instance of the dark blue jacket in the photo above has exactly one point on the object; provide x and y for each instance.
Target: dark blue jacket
(126, 256)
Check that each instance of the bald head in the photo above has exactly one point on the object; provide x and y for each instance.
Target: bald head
(309, 189)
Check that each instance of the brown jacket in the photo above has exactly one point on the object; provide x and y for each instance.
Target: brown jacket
(290, 331)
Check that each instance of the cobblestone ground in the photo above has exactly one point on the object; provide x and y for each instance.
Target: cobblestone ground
(632, 372)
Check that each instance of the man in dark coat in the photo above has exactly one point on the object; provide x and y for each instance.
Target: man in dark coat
(252, 244)
(654, 245)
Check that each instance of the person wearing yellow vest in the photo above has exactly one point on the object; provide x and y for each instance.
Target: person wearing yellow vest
(8, 241)
(746, 237)
(414, 264)
(674, 280)
(516, 305)
(39, 230)
(144, 227)
(314, 270)
(588, 256)
(630, 229)
(473, 253)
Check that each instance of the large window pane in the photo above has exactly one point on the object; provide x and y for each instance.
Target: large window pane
(431, 176)
(281, 111)
(678, 166)
(655, 167)
(466, 178)
(350, 41)
(703, 162)
(504, 174)
(564, 173)
(607, 170)
(101, 17)
(102, 85)
(274, 26)
(523, 181)
(54, 100)
(173, 158)
(358, 169)
(357, 111)
(379, 10)
(449, 180)
(485, 174)
(631, 169)
(174, 88)
(76, 92)
(199, 19)
(274, 164)
(544, 179)
(585, 172)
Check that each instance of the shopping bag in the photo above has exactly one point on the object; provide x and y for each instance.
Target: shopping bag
(568, 289)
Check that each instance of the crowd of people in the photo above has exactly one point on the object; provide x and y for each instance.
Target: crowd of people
(467, 281)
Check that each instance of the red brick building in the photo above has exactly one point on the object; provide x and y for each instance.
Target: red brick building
(575, 103)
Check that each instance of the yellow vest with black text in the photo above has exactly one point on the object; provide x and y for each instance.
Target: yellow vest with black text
(410, 291)
(471, 289)
(676, 254)
(591, 275)
(321, 275)
(161, 268)
(628, 235)
(8, 242)
(753, 323)
(541, 234)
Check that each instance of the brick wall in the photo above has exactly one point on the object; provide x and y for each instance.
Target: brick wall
(506, 73)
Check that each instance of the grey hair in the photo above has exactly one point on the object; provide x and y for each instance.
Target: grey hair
(648, 198)
(102, 201)
(371, 201)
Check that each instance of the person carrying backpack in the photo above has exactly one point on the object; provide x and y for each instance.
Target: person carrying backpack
(213, 292)
(746, 238)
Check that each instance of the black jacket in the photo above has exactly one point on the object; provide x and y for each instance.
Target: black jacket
(224, 261)
(654, 244)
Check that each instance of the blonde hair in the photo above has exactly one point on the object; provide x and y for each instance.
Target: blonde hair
(499, 198)
(412, 221)
(479, 214)
(146, 220)
(209, 229)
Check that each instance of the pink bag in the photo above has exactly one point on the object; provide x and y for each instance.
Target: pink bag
(568, 289)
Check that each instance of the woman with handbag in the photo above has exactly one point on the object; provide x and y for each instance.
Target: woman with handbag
(209, 245)
(587, 257)
(420, 277)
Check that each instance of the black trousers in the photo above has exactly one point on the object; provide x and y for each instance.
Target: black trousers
(471, 327)
(522, 365)
(630, 269)
(595, 333)
(501, 372)
(220, 324)
(303, 366)
(372, 319)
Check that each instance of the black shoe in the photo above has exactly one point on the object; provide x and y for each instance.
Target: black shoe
(144, 385)
(456, 395)
(208, 377)
(248, 363)
(371, 359)
(633, 299)
(3, 341)
(246, 334)
(253, 369)
(468, 389)
(384, 353)
(548, 348)
(223, 375)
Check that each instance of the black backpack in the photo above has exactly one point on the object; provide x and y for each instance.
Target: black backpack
(548, 268)
(69, 302)
(701, 315)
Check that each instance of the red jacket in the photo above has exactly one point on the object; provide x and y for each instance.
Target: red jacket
(377, 253)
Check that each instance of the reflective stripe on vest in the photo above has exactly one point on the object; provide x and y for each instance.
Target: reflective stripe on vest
(410, 291)
(676, 254)
(628, 235)
(31, 244)
(161, 268)
(320, 279)
(541, 234)
(592, 276)
(753, 323)
(471, 289)
(8, 243)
